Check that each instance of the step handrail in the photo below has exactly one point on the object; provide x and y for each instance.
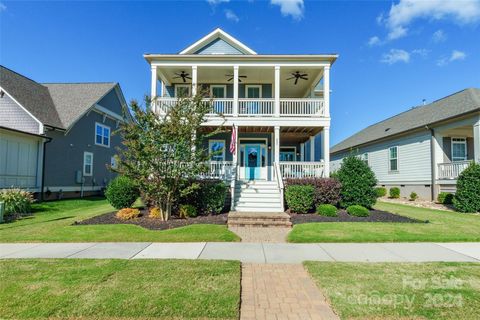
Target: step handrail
(280, 185)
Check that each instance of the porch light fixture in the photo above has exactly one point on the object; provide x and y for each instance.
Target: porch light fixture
(269, 147)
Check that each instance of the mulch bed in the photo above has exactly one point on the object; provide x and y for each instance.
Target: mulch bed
(343, 216)
(155, 224)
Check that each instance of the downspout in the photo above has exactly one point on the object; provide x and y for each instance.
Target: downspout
(432, 156)
(43, 167)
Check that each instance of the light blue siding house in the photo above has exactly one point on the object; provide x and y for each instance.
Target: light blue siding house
(422, 150)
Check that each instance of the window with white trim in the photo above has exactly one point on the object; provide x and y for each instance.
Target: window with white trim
(217, 150)
(102, 135)
(459, 149)
(218, 91)
(393, 159)
(365, 157)
(87, 164)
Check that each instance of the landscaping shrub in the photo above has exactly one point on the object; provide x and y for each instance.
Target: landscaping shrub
(467, 197)
(299, 198)
(358, 211)
(207, 196)
(395, 193)
(327, 210)
(155, 213)
(327, 190)
(187, 211)
(17, 201)
(122, 192)
(413, 196)
(128, 214)
(445, 198)
(358, 183)
(381, 192)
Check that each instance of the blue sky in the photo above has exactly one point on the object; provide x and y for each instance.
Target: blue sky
(392, 54)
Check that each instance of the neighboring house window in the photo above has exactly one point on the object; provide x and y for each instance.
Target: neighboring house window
(102, 135)
(217, 150)
(365, 157)
(182, 90)
(393, 158)
(87, 163)
(459, 149)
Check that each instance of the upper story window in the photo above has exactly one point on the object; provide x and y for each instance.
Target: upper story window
(218, 91)
(459, 149)
(393, 159)
(87, 163)
(102, 135)
(217, 150)
(253, 91)
(182, 90)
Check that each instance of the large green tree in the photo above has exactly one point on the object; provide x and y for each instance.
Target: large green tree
(163, 153)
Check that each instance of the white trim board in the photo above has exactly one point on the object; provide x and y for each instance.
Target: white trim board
(217, 33)
(40, 127)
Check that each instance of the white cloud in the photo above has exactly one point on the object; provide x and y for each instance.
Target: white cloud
(439, 36)
(395, 55)
(421, 52)
(230, 15)
(456, 55)
(2, 7)
(292, 8)
(374, 41)
(402, 14)
(215, 2)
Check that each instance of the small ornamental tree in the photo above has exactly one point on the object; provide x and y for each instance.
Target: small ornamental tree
(467, 197)
(163, 152)
(358, 183)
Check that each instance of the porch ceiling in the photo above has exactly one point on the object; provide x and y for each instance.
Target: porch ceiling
(464, 131)
(286, 133)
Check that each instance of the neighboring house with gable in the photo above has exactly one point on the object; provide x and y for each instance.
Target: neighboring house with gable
(279, 105)
(422, 150)
(58, 135)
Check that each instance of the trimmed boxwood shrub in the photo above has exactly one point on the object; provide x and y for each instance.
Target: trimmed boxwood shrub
(395, 193)
(413, 196)
(467, 197)
(207, 196)
(327, 210)
(381, 192)
(445, 198)
(358, 211)
(358, 183)
(327, 190)
(299, 198)
(122, 192)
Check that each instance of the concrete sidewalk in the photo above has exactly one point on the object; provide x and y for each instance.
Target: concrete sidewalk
(251, 252)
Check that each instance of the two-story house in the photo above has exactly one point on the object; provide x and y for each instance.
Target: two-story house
(58, 137)
(278, 105)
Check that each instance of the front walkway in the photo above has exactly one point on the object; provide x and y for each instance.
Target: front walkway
(251, 252)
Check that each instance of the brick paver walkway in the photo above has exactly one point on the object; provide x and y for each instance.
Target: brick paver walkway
(276, 291)
(262, 234)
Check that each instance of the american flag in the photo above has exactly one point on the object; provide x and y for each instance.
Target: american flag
(233, 142)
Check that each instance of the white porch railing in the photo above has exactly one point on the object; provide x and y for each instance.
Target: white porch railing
(220, 106)
(300, 169)
(451, 171)
(222, 170)
(302, 107)
(256, 107)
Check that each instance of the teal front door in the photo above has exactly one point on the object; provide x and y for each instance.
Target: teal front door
(252, 161)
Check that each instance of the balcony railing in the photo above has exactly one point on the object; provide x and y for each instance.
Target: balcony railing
(300, 169)
(451, 171)
(300, 107)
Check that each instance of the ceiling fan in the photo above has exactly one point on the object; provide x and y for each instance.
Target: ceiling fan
(231, 77)
(182, 75)
(297, 75)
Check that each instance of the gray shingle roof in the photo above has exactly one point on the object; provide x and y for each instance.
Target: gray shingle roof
(459, 103)
(54, 104)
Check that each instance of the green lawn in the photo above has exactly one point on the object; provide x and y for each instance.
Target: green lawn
(114, 289)
(52, 222)
(400, 290)
(443, 226)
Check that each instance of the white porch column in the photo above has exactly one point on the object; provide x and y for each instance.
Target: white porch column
(439, 153)
(277, 91)
(312, 148)
(163, 88)
(476, 141)
(326, 150)
(326, 90)
(276, 150)
(194, 80)
(153, 92)
(235, 91)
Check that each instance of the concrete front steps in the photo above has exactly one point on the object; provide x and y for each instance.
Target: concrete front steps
(257, 196)
(259, 219)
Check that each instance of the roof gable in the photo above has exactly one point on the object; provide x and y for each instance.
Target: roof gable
(218, 42)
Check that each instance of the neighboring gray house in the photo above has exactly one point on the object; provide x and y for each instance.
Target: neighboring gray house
(423, 149)
(58, 135)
